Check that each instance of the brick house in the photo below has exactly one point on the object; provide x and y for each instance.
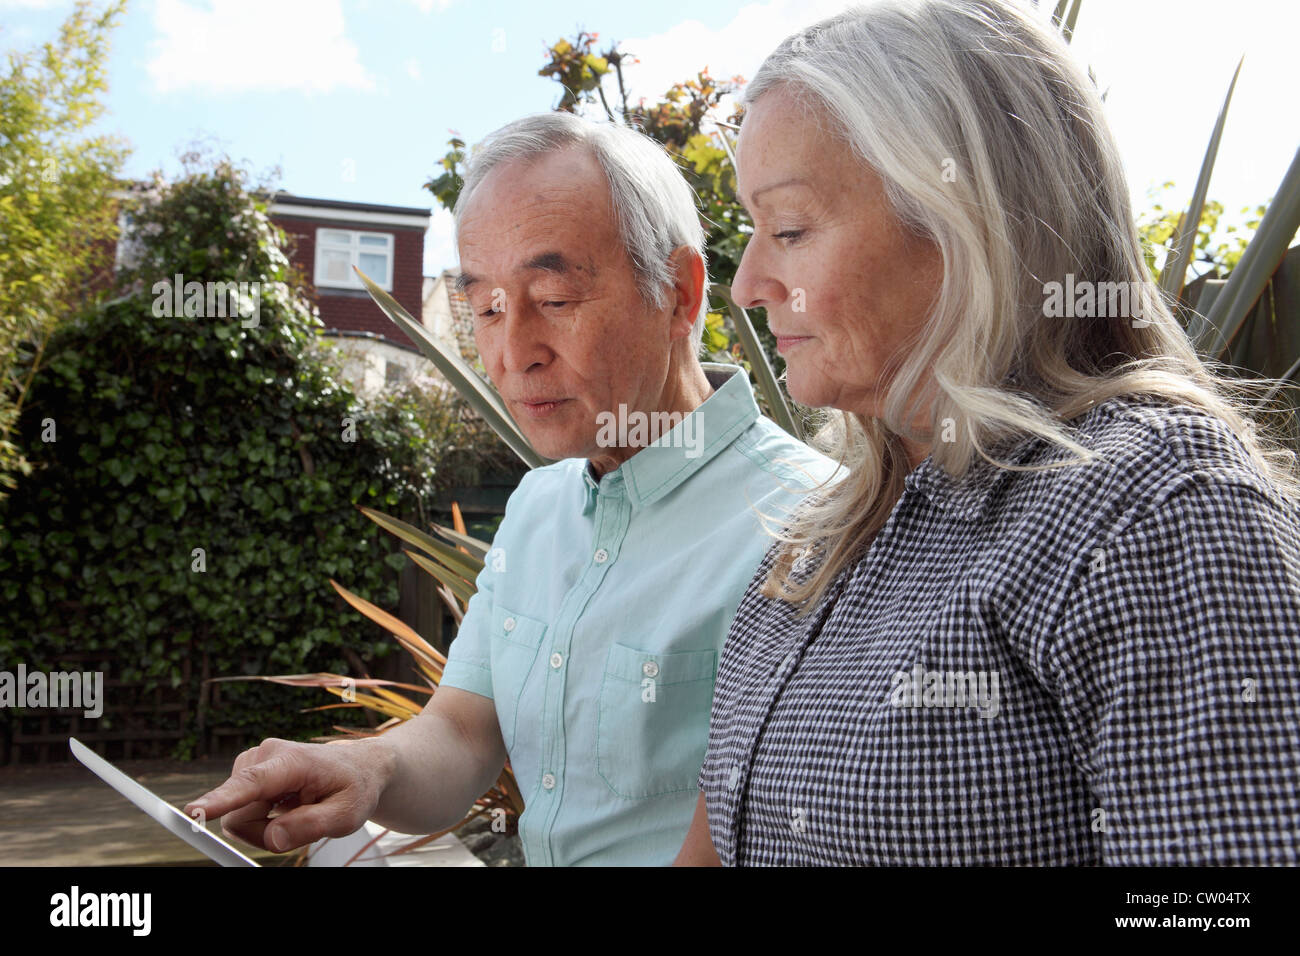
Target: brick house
(385, 242)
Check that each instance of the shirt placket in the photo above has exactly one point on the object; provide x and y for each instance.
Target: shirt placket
(610, 520)
(747, 742)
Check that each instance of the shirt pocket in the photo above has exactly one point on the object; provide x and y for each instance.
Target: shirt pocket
(516, 642)
(653, 724)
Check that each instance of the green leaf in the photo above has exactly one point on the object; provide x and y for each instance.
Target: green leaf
(1257, 264)
(476, 547)
(762, 368)
(1175, 272)
(1067, 28)
(457, 371)
(457, 561)
(459, 586)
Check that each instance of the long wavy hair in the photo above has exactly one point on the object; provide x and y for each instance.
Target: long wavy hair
(992, 143)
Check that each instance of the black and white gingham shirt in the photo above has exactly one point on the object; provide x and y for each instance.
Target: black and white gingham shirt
(1142, 619)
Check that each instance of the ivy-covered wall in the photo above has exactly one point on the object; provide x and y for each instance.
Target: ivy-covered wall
(196, 479)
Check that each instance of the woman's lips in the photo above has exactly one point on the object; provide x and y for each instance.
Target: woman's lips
(785, 342)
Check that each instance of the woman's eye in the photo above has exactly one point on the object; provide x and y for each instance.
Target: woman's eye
(556, 304)
(789, 235)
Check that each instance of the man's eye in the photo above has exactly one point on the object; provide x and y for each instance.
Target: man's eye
(488, 314)
(789, 235)
(555, 303)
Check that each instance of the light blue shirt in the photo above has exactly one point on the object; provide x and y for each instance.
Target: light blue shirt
(600, 614)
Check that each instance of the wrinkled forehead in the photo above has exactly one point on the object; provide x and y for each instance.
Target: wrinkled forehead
(785, 136)
(541, 216)
(566, 178)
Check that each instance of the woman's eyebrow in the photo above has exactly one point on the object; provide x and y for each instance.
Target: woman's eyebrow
(780, 184)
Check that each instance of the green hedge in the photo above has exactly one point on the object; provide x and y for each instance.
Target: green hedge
(177, 433)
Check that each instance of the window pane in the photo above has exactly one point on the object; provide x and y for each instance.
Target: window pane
(334, 237)
(375, 266)
(335, 265)
(374, 240)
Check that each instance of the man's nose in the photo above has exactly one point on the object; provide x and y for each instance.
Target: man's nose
(524, 343)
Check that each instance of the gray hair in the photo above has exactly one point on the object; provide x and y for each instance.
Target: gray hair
(991, 142)
(653, 204)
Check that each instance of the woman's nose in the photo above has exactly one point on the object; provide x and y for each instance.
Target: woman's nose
(751, 289)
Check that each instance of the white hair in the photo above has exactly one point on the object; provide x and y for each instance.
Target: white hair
(653, 204)
(991, 143)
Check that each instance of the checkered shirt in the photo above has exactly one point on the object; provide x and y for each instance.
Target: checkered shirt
(1141, 619)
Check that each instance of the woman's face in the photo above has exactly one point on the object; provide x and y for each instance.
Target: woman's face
(844, 285)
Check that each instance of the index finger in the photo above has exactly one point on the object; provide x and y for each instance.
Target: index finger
(268, 780)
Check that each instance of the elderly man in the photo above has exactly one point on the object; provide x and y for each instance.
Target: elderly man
(588, 654)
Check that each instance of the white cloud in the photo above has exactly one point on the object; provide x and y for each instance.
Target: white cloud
(736, 48)
(412, 67)
(240, 45)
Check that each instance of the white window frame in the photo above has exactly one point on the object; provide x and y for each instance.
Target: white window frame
(354, 249)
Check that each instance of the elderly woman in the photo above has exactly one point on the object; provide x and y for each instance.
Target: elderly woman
(1053, 614)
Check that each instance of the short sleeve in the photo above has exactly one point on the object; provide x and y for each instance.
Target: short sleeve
(469, 659)
(1177, 664)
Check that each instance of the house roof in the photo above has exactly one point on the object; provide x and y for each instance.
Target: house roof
(339, 211)
(289, 199)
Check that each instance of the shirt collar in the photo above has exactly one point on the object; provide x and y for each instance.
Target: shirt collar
(967, 497)
(658, 468)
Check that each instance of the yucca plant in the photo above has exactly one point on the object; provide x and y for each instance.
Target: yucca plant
(1240, 320)
(456, 568)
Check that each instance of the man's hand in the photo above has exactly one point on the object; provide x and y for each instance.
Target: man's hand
(283, 795)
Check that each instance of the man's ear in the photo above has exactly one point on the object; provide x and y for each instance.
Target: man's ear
(687, 291)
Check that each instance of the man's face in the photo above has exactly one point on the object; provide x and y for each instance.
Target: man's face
(573, 337)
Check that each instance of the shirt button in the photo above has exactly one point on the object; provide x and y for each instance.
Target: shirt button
(556, 659)
(508, 624)
(601, 556)
(650, 669)
(548, 781)
(734, 778)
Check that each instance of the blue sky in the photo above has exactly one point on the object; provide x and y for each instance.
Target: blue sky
(354, 99)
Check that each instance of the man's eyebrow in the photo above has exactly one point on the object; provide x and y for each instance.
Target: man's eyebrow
(545, 262)
(550, 262)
